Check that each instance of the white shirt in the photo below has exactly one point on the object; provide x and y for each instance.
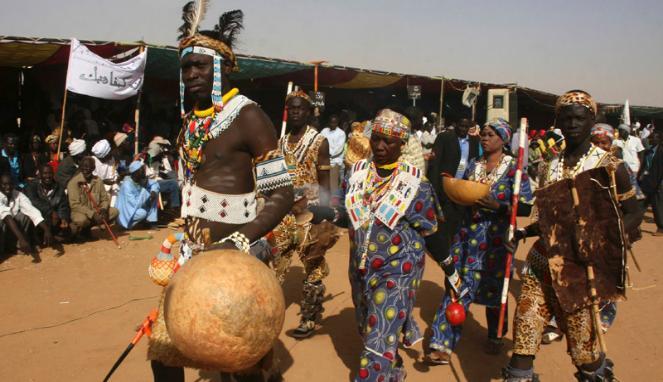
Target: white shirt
(630, 149)
(428, 139)
(105, 171)
(336, 139)
(19, 203)
(155, 168)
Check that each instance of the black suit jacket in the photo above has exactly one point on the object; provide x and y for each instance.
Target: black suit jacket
(57, 202)
(447, 157)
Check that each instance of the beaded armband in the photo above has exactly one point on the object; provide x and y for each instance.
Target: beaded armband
(271, 172)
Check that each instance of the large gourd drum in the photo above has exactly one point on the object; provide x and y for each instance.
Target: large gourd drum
(224, 309)
(464, 192)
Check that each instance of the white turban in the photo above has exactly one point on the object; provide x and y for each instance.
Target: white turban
(101, 149)
(76, 147)
(119, 138)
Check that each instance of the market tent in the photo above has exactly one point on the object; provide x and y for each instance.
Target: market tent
(265, 79)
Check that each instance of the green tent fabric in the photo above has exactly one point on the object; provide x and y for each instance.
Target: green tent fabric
(164, 63)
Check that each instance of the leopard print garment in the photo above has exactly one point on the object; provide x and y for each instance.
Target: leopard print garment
(537, 304)
(302, 160)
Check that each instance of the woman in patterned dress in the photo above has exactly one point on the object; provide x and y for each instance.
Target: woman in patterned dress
(478, 250)
(391, 213)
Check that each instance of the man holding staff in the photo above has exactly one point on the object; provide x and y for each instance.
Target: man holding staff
(548, 285)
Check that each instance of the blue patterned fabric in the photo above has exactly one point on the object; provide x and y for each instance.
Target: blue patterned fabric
(480, 256)
(384, 292)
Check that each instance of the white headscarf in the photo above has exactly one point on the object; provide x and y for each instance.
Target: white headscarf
(76, 147)
(101, 149)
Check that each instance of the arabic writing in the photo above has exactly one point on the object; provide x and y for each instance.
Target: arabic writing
(119, 82)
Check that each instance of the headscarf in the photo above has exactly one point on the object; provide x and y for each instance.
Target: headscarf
(119, 138)
(51, 139)
(77, 147)
(576, 97)
(502, 128)
(101, 149)
(392, 124)
(299, 93)
(601, 129)
(135, 166)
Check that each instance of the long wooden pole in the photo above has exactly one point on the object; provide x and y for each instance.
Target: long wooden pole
(64, 107)
(137, 112)
(522, 133)
(440, 118)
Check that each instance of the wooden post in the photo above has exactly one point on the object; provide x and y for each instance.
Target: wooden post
(137, 112)
(20, 97)
(316, 65)
(440, 117)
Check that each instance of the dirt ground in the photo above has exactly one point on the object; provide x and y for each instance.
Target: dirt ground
(69, 318)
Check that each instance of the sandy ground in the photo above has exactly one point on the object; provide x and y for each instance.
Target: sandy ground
(70, 317)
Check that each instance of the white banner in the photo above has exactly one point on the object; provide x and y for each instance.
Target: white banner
(95, 76)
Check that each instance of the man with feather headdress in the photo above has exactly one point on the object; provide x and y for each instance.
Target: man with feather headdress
(228, 153)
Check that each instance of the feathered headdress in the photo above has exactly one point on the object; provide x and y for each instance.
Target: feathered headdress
(221, 39)
(192, 14)
(217, 43)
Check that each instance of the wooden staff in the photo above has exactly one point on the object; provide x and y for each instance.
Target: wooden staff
(285, 110)
(522, 134)
(613, 187)
(86, 189)
(590, 276)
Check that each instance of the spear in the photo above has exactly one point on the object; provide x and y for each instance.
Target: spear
(145, 328)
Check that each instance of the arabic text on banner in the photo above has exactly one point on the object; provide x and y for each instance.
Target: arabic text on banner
(95, 76)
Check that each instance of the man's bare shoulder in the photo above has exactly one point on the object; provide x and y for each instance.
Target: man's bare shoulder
(253, 117)
(256, 129)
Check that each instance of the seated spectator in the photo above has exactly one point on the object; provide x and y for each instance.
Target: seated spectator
(11, 154)
(51, 201)
(81, 188)
(69, 166)
(52, 151)
(106, 168)
(16, 216)
(137, 200)
(122, 152)
(33, 160)
(160, 170)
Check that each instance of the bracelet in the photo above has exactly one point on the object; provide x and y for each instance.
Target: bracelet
(324, 167)
(240, 240)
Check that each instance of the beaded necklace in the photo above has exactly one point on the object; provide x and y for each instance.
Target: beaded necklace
(572, 172)
(488, 177)
(376, 189)
(377, 186)
(197, 133)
